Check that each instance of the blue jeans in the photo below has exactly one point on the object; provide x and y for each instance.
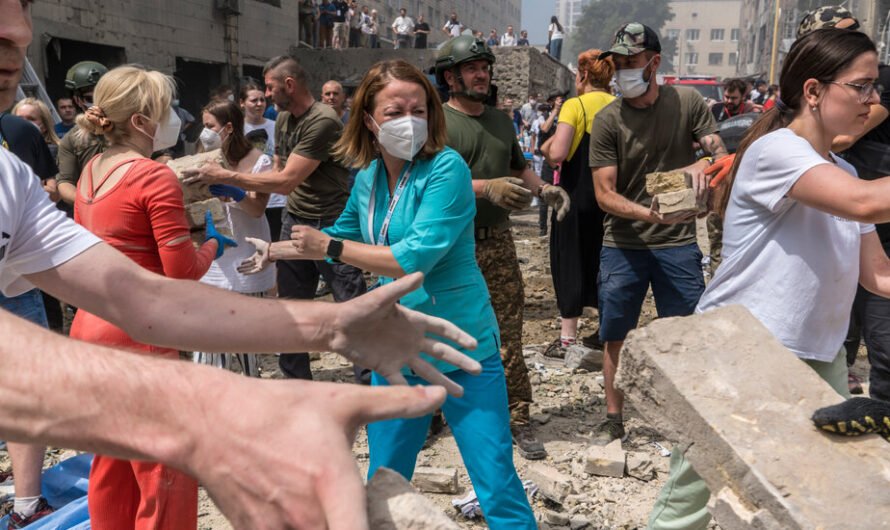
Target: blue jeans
(556, 49)
(625, 275)
(480, 422)
(28, 306)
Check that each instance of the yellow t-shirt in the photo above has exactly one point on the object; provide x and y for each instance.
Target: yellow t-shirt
(572, 114)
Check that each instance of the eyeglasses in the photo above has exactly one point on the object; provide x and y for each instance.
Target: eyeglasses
(865, 89)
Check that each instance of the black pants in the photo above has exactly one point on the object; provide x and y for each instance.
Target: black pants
(871, 316)
(298, 279)
(275, 216)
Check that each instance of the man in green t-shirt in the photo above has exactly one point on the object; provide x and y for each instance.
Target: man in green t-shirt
(485, 138)
(650, 128)
(316, 185)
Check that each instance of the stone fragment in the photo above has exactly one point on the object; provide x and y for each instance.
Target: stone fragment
(542, 418)
(605, 460)
(394, 505)
(667, 181)
(640, 466)
(741, 404)
(678, 201)
(578, 523)
(435, 479)
(195, 192)
(551, 483)
(195, 213)
(556, 518)
(578, 356)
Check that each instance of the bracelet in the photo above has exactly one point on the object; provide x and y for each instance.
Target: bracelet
(710, 160)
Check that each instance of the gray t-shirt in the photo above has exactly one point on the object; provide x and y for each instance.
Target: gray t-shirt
(640, 141)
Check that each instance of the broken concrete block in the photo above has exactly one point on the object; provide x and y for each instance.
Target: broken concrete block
(667, 181)
(722, 383)
(195, 212)
(394, 505)
(551, 483)
(605, 460)
(578, 356)
(678, 201)
(729, 510)
(556, 518)
(200, 191)
(640, 466)
(435, 479)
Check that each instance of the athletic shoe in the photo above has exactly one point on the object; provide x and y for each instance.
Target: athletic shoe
(611, 429)
(17, 521)
(527, 443)
(555, 350)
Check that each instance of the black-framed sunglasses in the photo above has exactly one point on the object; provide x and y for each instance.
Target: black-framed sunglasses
(865, 89)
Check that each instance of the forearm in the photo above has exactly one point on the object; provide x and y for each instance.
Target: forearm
(531, 179)
(67, 191)
(479, 188)
(616, 204)
(713, 145)
(268, 182)
(372, 258)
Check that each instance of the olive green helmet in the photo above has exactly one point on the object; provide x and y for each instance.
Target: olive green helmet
(84, 74)
(460, 50)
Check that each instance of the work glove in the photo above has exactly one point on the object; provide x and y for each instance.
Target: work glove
(719, 170)
(259, 260)
(211, 233)
(556, 198)
(855, 417)
(507, 192)
(230, 192)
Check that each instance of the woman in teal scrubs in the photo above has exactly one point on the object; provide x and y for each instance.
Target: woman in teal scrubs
(412, 209)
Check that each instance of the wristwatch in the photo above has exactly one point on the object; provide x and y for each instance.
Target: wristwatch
(335, 250)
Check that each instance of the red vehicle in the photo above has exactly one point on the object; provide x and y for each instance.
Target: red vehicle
(707, 85)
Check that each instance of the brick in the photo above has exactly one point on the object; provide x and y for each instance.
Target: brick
(605, 460)
(551, 483)
(667, 181)
(195, 192)
(196, 212)
(741, 403)
(435, 479)
(394, 505)
(678, 201)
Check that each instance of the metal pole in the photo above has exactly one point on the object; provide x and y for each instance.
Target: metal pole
(775, 50)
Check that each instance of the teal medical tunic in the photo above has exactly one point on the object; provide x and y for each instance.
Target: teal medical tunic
(431, 231)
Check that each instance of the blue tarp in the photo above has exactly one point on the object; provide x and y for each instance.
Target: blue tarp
(65, 487)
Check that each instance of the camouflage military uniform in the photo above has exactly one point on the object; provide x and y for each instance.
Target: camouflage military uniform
(496, 256)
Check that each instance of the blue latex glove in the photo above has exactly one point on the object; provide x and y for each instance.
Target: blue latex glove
(221, 240)
(232, 192)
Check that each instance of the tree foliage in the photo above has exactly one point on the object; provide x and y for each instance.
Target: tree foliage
(600, 19)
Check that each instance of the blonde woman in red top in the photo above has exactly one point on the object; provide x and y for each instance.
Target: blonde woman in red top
(135, 204)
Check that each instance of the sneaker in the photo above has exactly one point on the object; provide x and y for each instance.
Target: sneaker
(555, 350)
(17, 521)
(854, 384)
(527, 443)
(593, 341)
(611, 429)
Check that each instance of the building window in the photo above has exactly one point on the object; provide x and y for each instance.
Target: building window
(691, 59)
(734, 34)
(715, 59)
(673, 34)
(717, 34)
(733, 58)
(691, 34)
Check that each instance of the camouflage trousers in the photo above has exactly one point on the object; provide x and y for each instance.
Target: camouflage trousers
(496, 256)
(715, 238)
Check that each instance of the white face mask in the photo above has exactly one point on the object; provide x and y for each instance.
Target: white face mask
(402, 137)
(631, 83)
(167, 133)
(210, 139)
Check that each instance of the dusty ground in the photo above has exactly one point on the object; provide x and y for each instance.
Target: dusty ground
(568, 407)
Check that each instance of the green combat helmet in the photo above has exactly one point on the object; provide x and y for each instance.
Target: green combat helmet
(460, 50)
(84, 74)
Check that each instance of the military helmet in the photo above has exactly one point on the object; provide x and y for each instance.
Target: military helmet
(460, 50)
(826, 17)
(84, 74)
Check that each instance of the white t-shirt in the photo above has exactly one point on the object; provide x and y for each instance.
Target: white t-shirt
(34, 235)
(508, 40)
(453, 28)
(554, 31)
(276, 200)
(403, 25)
(794, 267)
(223, 271)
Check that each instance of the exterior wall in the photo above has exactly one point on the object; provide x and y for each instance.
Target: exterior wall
(714, 16)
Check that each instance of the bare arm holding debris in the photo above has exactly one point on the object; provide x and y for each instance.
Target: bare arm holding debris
(57, 391)
(296, 170)
(371, 330)
(605, 181)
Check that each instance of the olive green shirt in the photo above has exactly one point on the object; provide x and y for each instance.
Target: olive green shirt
(640, 141)
(324, 192)
(489, 146)
(76, 149)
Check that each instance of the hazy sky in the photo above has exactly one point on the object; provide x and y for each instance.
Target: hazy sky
(535, 18)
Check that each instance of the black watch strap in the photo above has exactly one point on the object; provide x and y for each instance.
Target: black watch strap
(335, 249)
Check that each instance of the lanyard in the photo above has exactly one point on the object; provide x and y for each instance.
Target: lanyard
(396, 195)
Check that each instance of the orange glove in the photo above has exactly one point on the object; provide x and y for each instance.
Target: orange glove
(719, 170)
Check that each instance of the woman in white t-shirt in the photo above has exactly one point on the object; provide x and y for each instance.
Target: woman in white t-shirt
(253, 104)
(554, 38)
(223, 129)
(797, 232)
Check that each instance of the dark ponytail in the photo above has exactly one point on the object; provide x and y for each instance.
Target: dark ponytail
(822, 55)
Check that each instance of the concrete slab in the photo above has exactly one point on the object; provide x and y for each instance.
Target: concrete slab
(394, 505)
(721, 382)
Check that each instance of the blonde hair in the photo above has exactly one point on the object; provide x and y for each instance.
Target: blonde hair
(357, 146)
(123, 92)
(46, 118)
